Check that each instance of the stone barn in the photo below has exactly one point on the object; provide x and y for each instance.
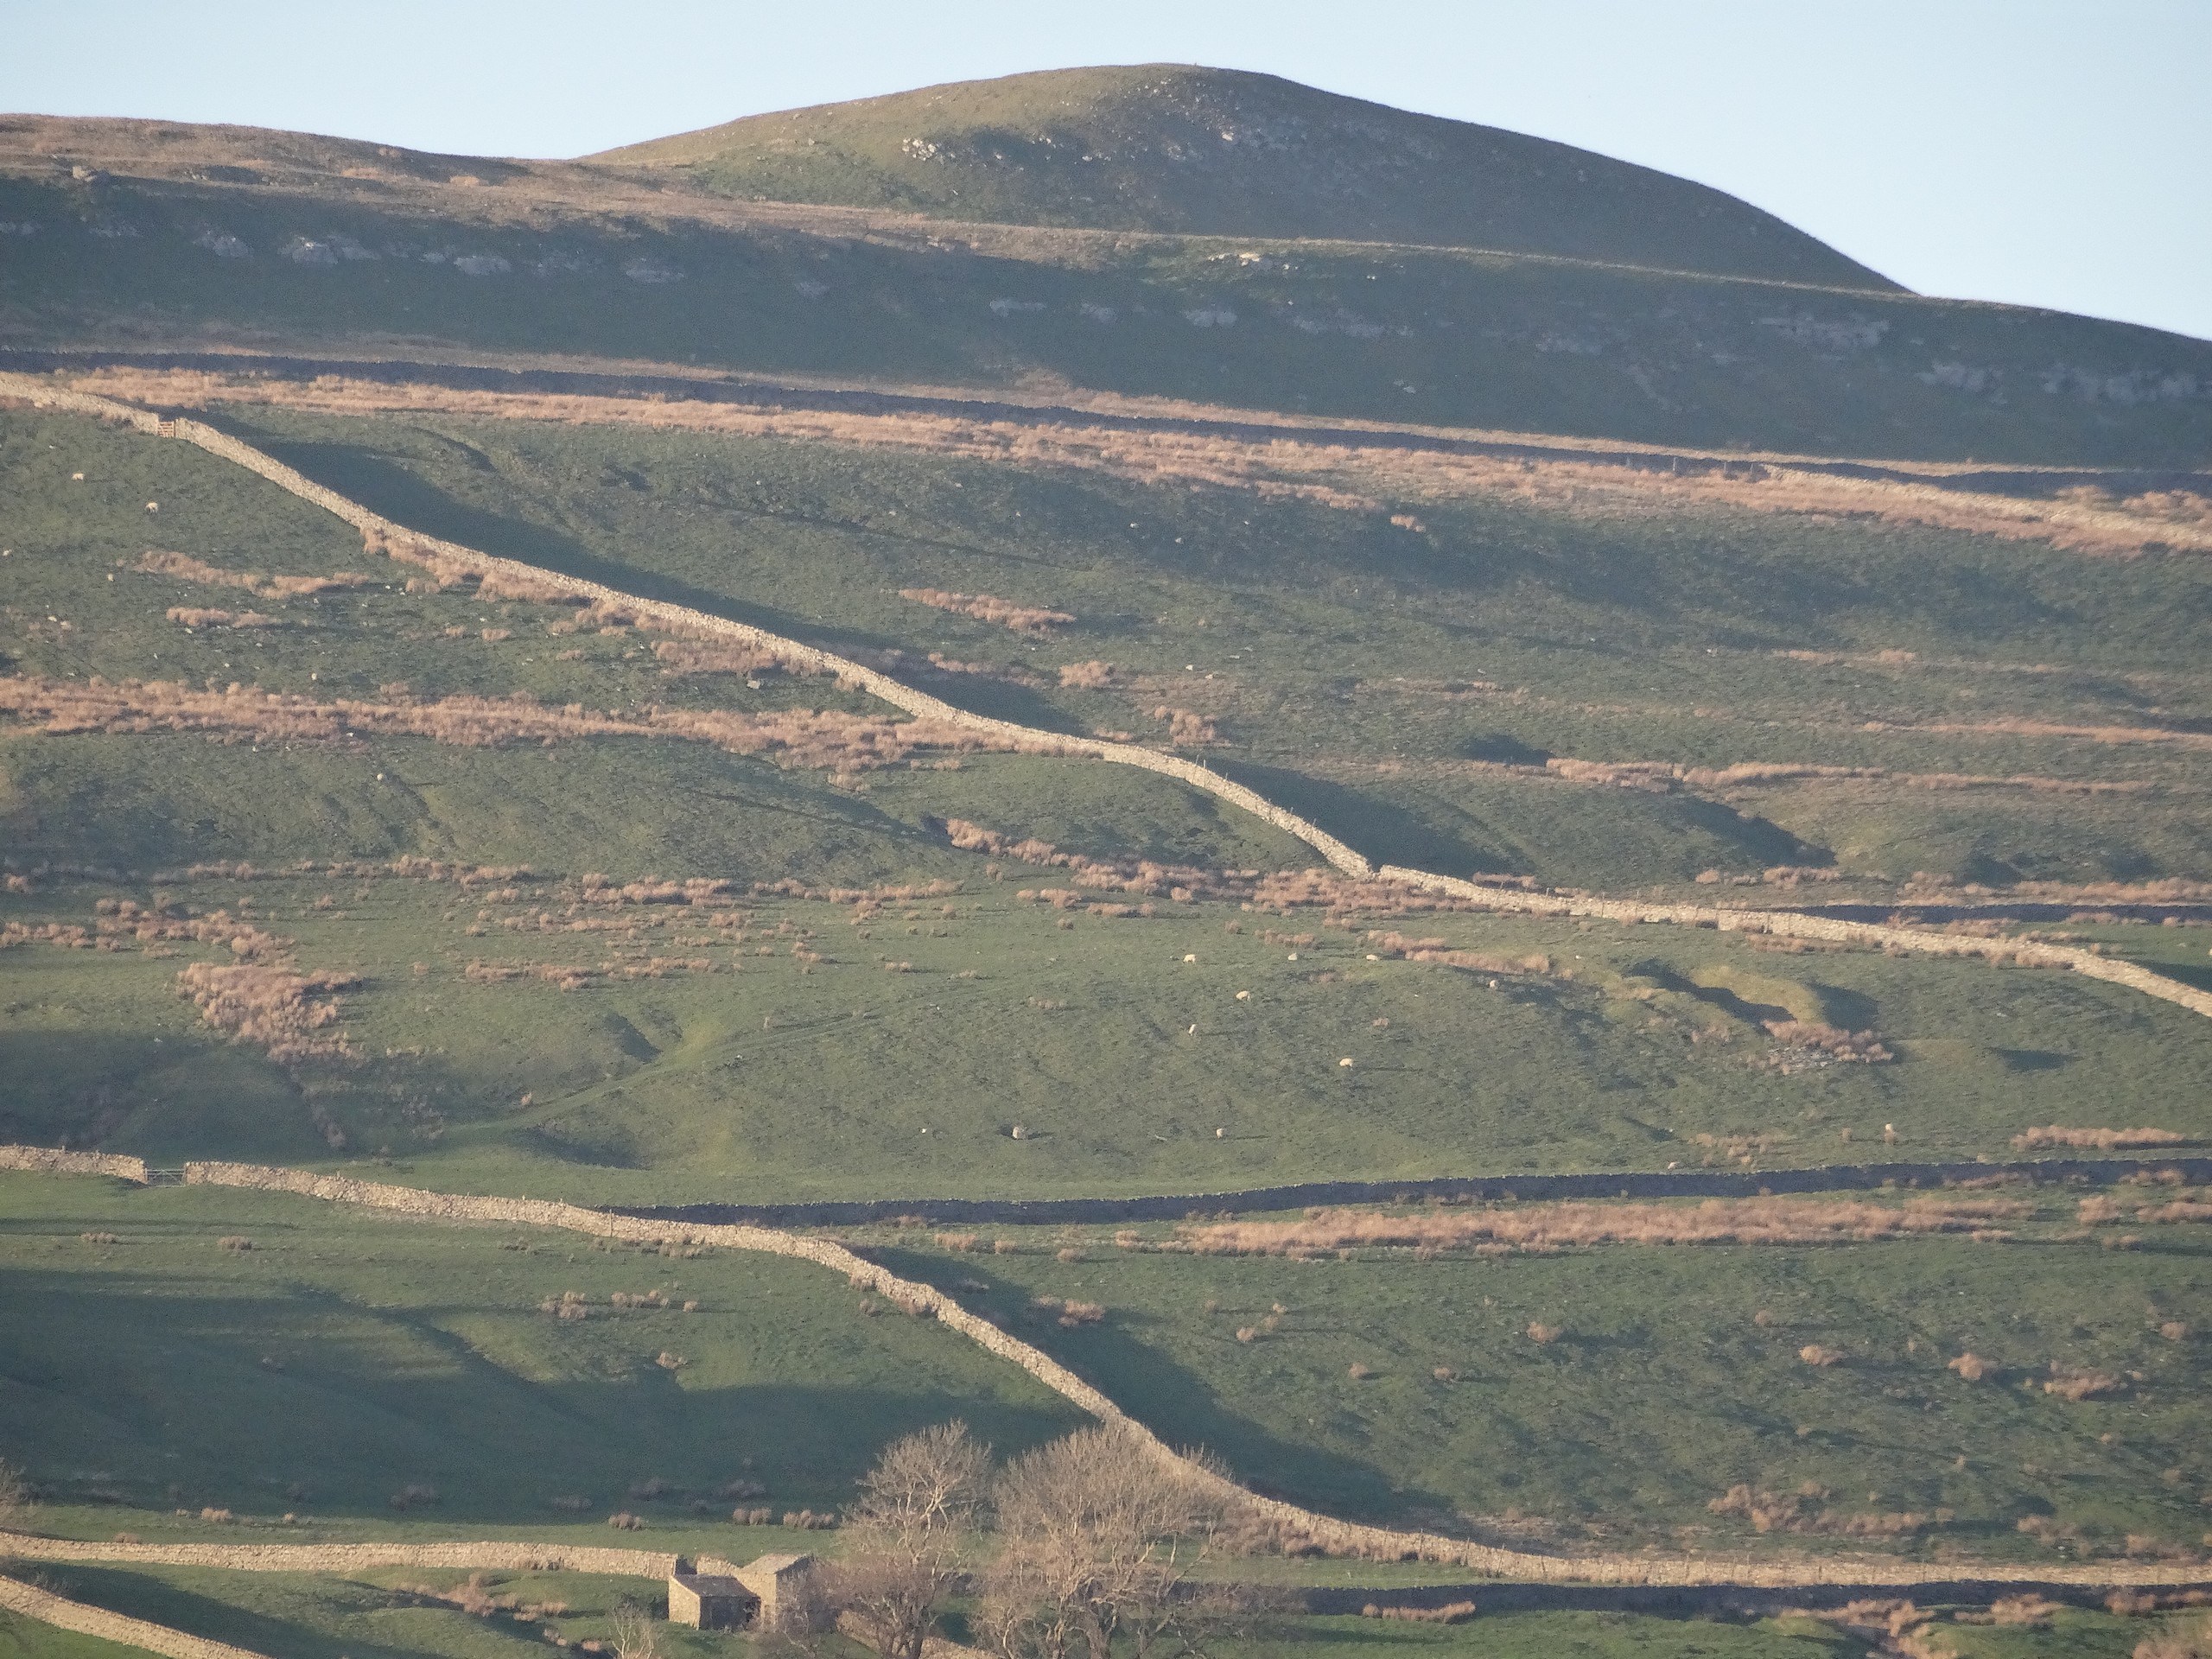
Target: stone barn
(717, 1596)
(711, 1601)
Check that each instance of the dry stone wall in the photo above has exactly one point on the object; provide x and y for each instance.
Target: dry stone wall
(920, 704)
(64, 1614)
(47, 1160)
(1339, 1535)
(1342, 1537)
(686, 620)
(493, 1556)
(1789, 924)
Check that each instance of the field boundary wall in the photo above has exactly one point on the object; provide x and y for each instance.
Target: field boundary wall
(1343, 1537)
(489, 1556)
(50, 1161)
(63, 1614)
(686, 620)
(1335, 1536)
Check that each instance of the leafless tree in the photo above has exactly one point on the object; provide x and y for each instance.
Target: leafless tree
(15, 1497)
(917, 1507)
(635, 1633)
(1098, 1534)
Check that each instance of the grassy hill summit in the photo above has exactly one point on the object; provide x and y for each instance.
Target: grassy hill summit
(1223, 152)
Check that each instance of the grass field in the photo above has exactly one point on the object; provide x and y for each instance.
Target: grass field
(372, 1617)
(1410, 1390)
(344, 1359)
(317, 857)
(705, 1049)
(400, 1613)
(1407, 689)
(761, 1047)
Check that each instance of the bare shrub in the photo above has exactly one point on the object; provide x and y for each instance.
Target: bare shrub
(829, 740)
(182, 567)
(271, 1006)
(2081, 1382)
(634, 1633)
(1971, 1367)
(1863, 1047)
(984, 607)
(1453, 1612)
(1814, 1354)
(918, 1507)
(1184, 727)
(1093, 675)
(1398, 946)
(237, 1242)
(2026, 1611)
(691, 657)
(1099, 1535)
(16, 1499)
(622, 1521)
(1311, 469)
(1803, 1511)
(1543, 1333)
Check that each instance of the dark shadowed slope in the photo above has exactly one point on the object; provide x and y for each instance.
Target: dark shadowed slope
(1172, 148)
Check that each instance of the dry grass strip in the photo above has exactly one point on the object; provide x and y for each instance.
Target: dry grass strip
(2084, 519)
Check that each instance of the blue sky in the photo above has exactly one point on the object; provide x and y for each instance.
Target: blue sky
(2041, 152)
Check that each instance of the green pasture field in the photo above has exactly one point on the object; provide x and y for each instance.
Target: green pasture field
(347, 1357)
(386, 1613)
(1661, 1389)
(1374, 677)
(2072, 1632)
(889, 1050)
(744, 1079)
(1370, 677)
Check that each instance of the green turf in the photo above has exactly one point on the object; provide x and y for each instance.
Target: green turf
(347, 1357)
(1544, 1635)
(1662, 1390)
(28, 1638)
(818, 1050)
(382, 1614)
(1374, 678)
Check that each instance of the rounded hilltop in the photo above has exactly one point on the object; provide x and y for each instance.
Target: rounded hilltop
(1176, 148)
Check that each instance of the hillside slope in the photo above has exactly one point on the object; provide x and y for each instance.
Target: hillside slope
(1177, 148)
(148, 234)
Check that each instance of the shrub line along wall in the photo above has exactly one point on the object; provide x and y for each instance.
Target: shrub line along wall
(922, 705)
(1480, 1188)
(1342, 1537)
